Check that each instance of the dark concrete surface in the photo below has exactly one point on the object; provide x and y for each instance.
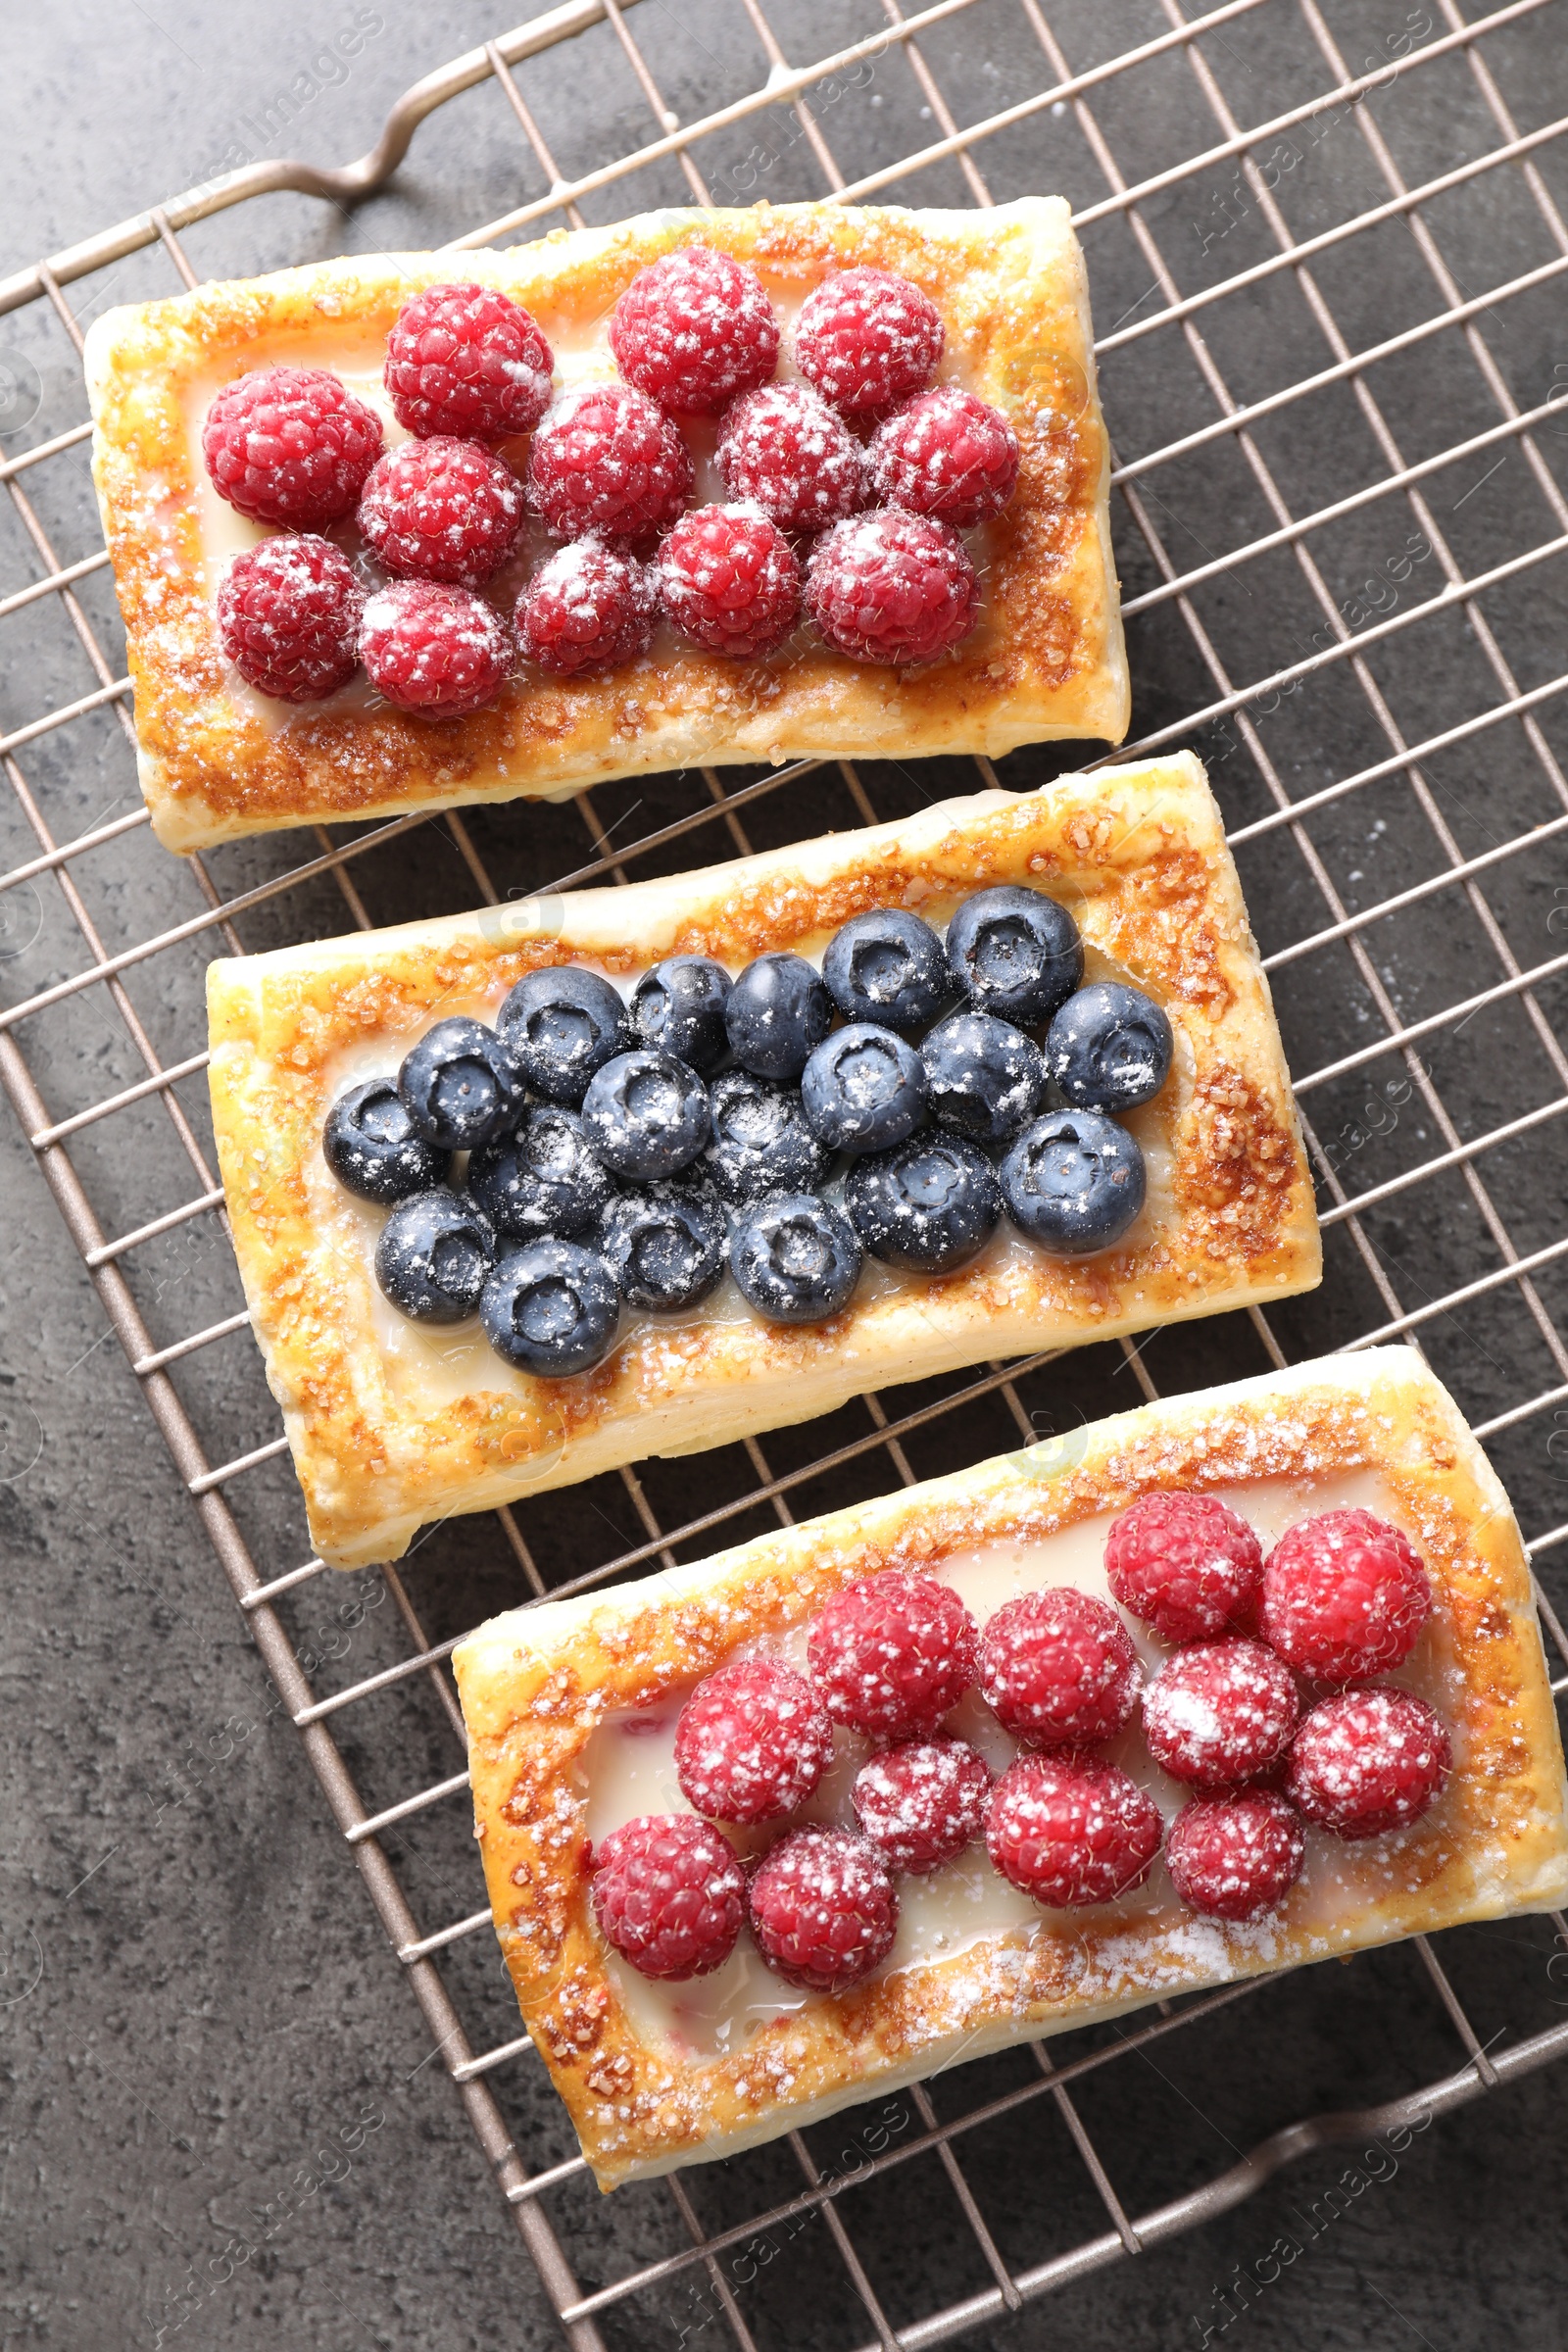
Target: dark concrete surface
(225, 2123)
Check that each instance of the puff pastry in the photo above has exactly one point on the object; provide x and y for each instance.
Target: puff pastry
(392, 1424)
(217, 760)
(658, 2076)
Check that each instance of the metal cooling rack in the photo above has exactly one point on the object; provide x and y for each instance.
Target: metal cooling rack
(1391, 653)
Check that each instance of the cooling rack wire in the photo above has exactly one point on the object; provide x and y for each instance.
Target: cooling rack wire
(1449, 613)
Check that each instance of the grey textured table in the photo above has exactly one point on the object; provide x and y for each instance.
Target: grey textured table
(202, 2035)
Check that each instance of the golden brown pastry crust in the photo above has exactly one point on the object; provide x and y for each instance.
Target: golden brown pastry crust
(537, 1682)
(1140, 855)
(1046, 660)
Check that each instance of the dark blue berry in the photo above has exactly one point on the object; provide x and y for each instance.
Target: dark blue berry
(864, 1088)
(679, 1007)
(778, 1009)
(795, 1260)
(1073, 1182)
(666, 1244)
(929, 1204)
(761, 1141)
(372, 1148)
(1017, 952)
(434, 1256)
(888, 966)
(646, 1114)
(561, 1026)
(1109, 1047)
(460, 1086)
(544, 1179)
(551, 1307)
(984, 1078)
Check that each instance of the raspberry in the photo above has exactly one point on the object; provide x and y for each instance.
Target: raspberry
(731, 581)
(1058, 1667)
(693, 330)
(752, 1742)
(288, 612)
(823, 1910)
(438, 651)
(1366, 1761)
(1344, 1595)
(1221, 1713)
(947, 455)
(587, 607)
(868, 340)
(922, 1803)
(1184, 1564)
(789, 452)
(1069, 1830)
(891, 1655)
(606, 460)
(442, 509)
(290, 446)
(469, 361)
(1231, 1857)
(670, 1894)
(892, 587)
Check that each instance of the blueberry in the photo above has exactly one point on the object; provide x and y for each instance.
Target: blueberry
(646, 1114)
(1073, 1181)
(551, 1307)
(984, 1078)
(929, 1204)
(888, 966)
(1017, 952)
(370, 1145)
(544, 1179)
(561, 1026)
(434, 1256)
(795, 1260)
(666, 1244)
(778, 1009)
(762, 1143)
(864, 1088)
(460, 1086)
(1109, 1047)
(679, 1007)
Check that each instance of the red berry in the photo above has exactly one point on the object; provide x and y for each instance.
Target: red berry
(290, 446)
(823, 1910)
(467, 360)
(1058, 1667)
(288, 612)
(1344, 1595)
(693, 330)
(587, 607)
(1231, 1857)
(1221, 1713)
(868, 340)
(729, 580)
(1366, 1761)
(892, 587)
(947, 455)
(752, 1742)
(670, 1894)
(783, 448)
(1069, 1830)
(439, 651)
(891, 1654)
(1184, 1564)
(922, 1803)
(442, 509)
(606, 460)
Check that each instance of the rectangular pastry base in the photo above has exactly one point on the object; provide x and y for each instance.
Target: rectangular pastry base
(659, 2077)
(392, 1424)
(217, 760)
